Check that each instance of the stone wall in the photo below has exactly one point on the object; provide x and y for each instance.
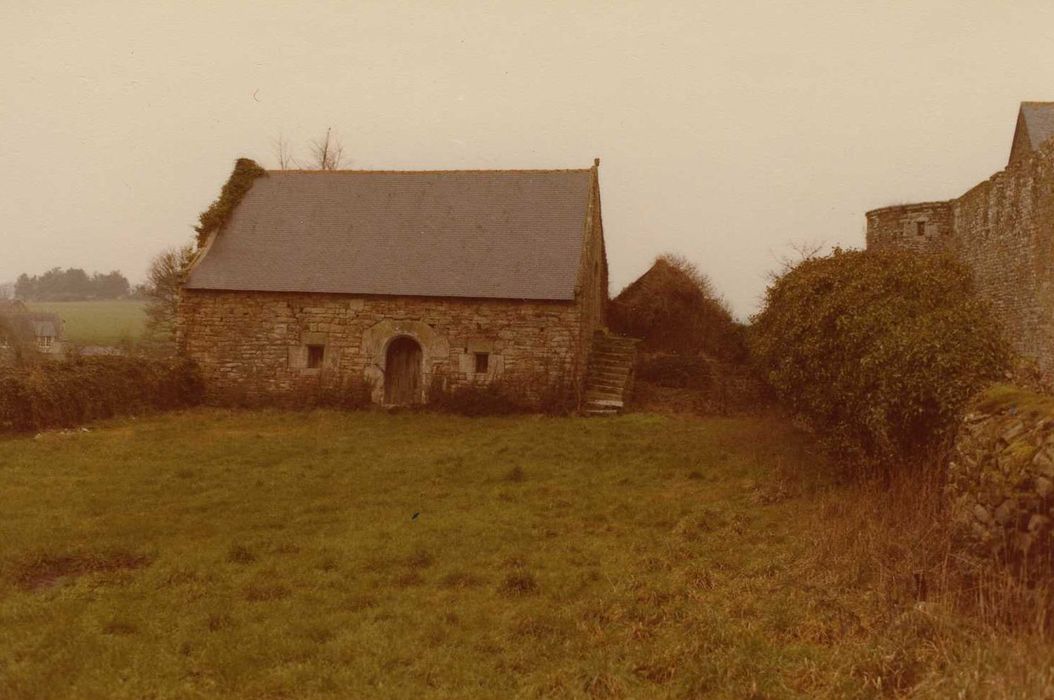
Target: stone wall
(1001, 477)
(926, 226)
(592, 292)
(253, 345)
(1004, 230)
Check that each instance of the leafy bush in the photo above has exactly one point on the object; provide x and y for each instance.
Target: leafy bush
(675, 371)
(69, 393)
(241, 181)
(880, 350)
(673, 308)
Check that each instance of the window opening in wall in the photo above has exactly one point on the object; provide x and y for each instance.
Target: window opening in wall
(314, 356)
(482, 362)
(920, 228)
(44, 341)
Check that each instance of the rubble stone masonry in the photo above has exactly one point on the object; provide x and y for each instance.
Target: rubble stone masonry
(1003, 229)
(253, 345)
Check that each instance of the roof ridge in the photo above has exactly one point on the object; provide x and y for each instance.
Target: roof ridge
(303, 171)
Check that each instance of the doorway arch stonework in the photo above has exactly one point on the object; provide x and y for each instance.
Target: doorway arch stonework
(435, 349)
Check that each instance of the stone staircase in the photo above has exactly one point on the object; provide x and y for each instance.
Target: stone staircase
(609, 377)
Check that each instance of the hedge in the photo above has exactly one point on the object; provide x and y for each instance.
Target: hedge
(69, 393)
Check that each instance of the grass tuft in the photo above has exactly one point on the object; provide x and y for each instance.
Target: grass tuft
(240, 554)
(519, 583)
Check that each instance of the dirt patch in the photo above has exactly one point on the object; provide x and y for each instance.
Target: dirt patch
(45, 571)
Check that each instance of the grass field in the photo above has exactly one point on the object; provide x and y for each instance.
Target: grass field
(97, 322)
(365, 555)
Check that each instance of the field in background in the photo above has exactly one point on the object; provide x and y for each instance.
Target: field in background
(324, 554)
(97, 322)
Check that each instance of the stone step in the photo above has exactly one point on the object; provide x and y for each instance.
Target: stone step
(613, 380)
(613, 371)
(598, 402)
(608, 345)
(614, 355)
(598, 389)
(600, 395)
(611, 363)
(600, 412)
(605, 337)
(619, 377)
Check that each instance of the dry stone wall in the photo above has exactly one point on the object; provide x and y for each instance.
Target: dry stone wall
(1001, 482)
(1003, 229)
(252, 346)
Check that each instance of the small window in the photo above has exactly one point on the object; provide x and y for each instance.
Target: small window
(44, 341)
(314, 356)
(920, 228)
(482, 362)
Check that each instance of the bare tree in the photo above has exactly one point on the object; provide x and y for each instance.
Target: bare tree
(800, 251)
(327, 153)
(164, 279)
(282, 153)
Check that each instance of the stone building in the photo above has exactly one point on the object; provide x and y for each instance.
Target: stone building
(1003, 229)
(33, 330)
(399, 282)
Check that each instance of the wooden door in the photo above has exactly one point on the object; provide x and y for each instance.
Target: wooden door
(402, 372)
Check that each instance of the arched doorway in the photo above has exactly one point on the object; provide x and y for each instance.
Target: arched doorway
(402, 372)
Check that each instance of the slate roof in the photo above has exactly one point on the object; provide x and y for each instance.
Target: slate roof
(1039, 119)
(510, 234)
(45, 324)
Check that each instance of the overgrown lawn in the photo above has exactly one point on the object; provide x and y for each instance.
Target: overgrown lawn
(353, 555)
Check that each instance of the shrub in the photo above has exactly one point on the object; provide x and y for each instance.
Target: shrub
(69, 393)
(675, 371)
(673, 308)
(879, 350)
(493, 399)
(500, 397)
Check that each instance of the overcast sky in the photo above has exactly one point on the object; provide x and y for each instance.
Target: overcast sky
(726, 130)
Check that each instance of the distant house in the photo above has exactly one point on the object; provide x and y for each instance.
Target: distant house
(20, 326)
(399, 281)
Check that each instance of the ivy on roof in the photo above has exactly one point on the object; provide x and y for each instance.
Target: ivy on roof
(245, 172)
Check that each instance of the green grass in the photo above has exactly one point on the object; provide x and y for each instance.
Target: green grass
(276, 555)
(97, 322)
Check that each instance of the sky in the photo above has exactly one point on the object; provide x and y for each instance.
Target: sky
(728, 132)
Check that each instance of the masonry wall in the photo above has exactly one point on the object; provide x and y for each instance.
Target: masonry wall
(592, 294)
(1003, 229)
(926, 226)
(253, 345)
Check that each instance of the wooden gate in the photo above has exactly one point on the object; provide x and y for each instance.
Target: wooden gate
(402, 372)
